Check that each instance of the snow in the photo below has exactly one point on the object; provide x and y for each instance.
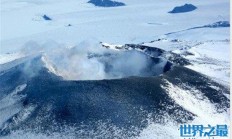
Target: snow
(117, 25)
(5, 58)
(191, 100)
(11, 101)
(24, 31)
(203, 34)
(49, 66)
(112, 46)
(212, 59)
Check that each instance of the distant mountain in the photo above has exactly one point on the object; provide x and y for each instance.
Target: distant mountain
(183, 8)
(106, 3)
(219, 24)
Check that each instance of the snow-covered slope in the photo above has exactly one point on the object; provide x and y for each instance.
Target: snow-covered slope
(210, 57)
(47, 45)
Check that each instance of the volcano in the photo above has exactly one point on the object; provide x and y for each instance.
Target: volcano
(39, 101)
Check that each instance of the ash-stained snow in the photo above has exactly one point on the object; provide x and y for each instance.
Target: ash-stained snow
(12, 102)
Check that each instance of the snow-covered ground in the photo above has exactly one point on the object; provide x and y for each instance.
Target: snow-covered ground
(212, 59)
(138, 21)
(76, 23)
(209, 57)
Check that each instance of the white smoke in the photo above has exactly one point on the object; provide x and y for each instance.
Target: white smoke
(90, 61)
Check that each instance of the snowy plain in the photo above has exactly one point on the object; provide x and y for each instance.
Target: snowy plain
(78, 23)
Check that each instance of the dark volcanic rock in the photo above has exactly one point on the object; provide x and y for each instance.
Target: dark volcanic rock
(45, 17)
(219, 24)
(183, 8)
(106, 3)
